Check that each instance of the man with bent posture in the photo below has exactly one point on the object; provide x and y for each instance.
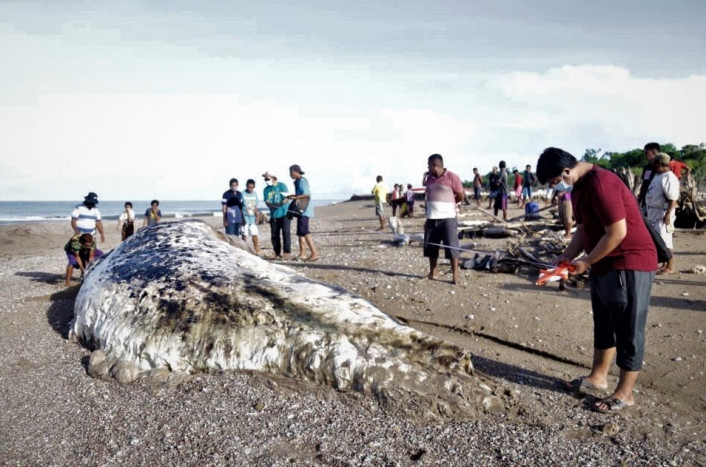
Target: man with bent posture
(623, 260)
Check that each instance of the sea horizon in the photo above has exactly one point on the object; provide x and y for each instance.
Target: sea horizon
(17, 212)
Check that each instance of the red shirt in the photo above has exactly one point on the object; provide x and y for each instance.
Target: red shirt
(677, 166)
(600, 199)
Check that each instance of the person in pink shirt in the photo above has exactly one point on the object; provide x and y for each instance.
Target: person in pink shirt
(444, 190)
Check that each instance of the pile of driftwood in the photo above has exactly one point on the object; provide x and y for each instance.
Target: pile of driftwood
(533, 245)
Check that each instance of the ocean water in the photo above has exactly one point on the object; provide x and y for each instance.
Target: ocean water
(14, 212)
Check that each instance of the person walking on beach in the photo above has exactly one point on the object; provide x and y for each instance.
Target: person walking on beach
(444, 190)
(126, 221)
(501, 196)
(80, 251)
(648, 173)
(275, 195)
(250, 214)
(517, 187)
(566, 212)
(661, 201)
(302, 195)
(152, 214)
(409, 196)
(528, 180)
(477, 186)
(622, 257)
(493, 186)
(380, 192)
(86, 218)
(232, 205)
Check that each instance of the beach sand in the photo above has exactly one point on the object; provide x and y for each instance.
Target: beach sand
(528, 339)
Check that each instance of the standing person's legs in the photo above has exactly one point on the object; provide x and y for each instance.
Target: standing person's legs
(285, 224)
(70, 267)
(450, 238)
(305, 239)
(380, 212)
(431, 251)
(274, 236)
(630, 321)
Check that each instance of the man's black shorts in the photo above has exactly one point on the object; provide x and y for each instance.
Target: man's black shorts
(441, 231)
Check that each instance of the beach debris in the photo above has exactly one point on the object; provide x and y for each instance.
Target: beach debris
(698, 269)
(183, 298)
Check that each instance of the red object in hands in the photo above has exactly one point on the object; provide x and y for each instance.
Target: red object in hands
(558, 273)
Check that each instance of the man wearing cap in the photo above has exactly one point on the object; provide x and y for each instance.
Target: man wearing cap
(302, 194)
(86, 218)
(661, 201)
(275, 195)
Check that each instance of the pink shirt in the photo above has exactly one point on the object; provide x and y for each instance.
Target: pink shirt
(441, 195)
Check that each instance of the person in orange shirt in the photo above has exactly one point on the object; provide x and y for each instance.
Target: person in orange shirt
(677, 166)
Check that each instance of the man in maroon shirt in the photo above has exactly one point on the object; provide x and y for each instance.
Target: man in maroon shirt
(623, 260)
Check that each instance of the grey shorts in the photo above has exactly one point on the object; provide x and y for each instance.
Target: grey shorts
(441, 231)
(379, 209)
(620, 300)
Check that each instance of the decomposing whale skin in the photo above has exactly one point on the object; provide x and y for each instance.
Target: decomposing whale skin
(181, 297)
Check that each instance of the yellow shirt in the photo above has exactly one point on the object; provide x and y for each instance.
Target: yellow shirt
(380, 192)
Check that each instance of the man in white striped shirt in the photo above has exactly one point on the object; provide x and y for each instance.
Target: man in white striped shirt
(86, 218)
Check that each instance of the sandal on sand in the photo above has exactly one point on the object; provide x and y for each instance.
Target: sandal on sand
(582, 382)
(312, 258)
(612, 404)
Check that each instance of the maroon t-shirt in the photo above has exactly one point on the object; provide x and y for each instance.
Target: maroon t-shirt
(600, 199)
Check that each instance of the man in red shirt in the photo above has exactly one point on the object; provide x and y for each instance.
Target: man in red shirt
(623, 260)
(677, 166)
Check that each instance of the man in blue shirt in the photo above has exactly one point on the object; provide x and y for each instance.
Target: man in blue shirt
(275, 195)
(232, 204)
(302, 195)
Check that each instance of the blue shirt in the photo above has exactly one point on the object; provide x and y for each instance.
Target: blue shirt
(301, 187)
(276, 194)
(249, 207)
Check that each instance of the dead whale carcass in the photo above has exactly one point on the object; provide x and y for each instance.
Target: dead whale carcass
(177, 296)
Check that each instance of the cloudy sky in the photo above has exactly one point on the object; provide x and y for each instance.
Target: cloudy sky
(169, 99)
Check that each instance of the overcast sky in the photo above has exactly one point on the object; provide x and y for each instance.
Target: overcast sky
(169, 99)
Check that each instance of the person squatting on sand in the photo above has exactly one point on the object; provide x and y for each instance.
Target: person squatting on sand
(152, 214)
(276, 200)
(126, 222)
(444, 190)
(86, 218)
(80, 251)
(250, 215)
(302, 194)
(661, 201)
(380, 193)
(232, 205)
(622, 258)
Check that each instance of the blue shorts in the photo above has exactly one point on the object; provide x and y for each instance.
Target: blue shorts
(527, 192)
(476, 192)
(303, 226)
